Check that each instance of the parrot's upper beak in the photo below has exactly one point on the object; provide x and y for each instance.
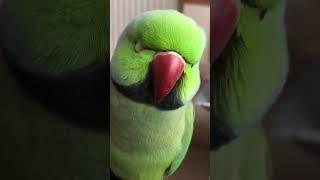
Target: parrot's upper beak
(226, 14)
(166, 68)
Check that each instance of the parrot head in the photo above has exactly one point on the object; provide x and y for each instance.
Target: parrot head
(156, 60)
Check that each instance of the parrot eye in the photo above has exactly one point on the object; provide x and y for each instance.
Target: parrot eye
(138, 47)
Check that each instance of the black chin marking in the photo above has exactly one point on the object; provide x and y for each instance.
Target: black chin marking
(113, 176)
(221, 134)
(143, 92)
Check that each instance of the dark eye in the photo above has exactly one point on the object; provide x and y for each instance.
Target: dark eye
(138, 47)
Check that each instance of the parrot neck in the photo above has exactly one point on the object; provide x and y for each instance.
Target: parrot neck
(137, 120)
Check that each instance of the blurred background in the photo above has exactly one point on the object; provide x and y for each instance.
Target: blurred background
(294, 121)
(196, 164)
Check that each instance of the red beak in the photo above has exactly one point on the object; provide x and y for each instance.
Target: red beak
(226, 14)
(166, 68)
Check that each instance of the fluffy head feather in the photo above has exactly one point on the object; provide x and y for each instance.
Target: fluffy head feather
(152, 32)
(54, 37)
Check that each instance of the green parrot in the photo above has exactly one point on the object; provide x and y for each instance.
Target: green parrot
(154, 76)
(249, 69)
(53, 94)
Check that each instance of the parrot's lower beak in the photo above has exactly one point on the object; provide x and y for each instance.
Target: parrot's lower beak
(166, 68)
(226, 14)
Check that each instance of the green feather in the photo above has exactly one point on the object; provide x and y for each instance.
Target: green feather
(38, 143)
(54, 37)
(185, 141)
(248, 81)
(246, 158)
(146, 141)
(248, 77)
(62, 43)
(160, 30)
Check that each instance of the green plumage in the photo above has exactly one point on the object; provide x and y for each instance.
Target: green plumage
(54, 37)
(248, 77)
(148, 142)
(145, 141)
(253, 67)
(246, 158)
(38, 143)
(53, 115)
(159, 31)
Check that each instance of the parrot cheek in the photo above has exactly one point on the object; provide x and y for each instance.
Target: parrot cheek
(226, 14)
(166, 68)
